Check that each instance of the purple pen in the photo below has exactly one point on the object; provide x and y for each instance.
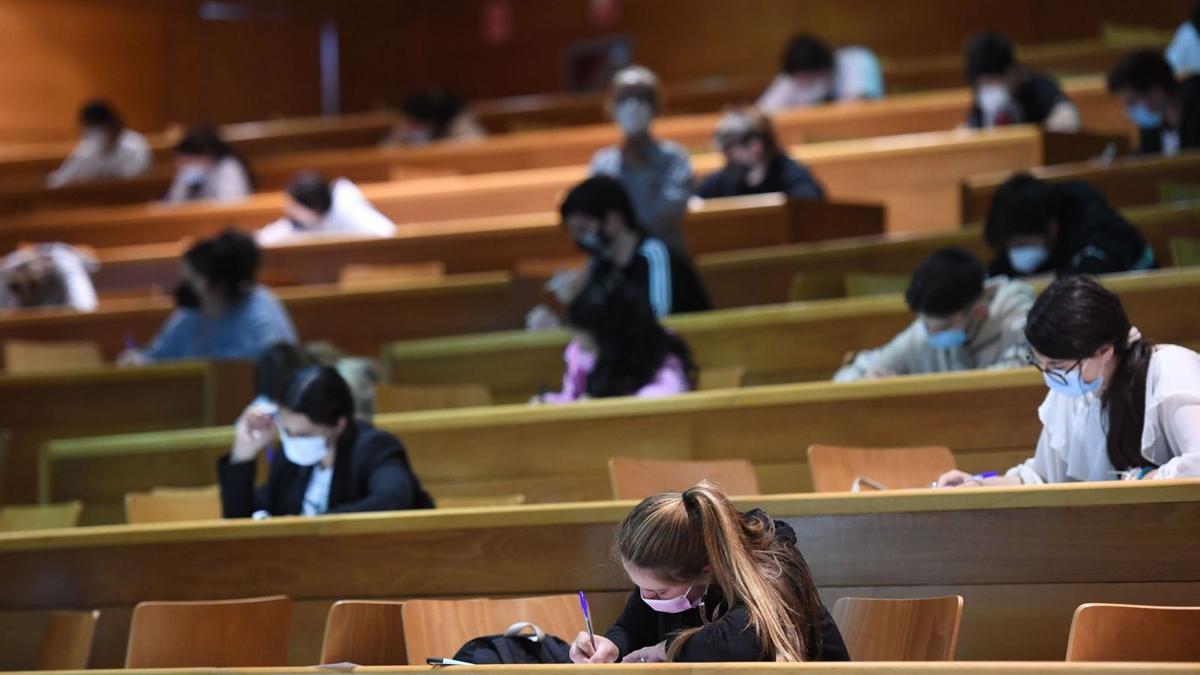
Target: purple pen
(587, 619)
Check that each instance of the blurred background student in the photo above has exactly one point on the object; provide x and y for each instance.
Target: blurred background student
(315, 207)
(1165, 109)
(48, 275)
(106, 149)
(754, 161)
(1007, 92)
(811, 74)
(435, 115)
(206, 167)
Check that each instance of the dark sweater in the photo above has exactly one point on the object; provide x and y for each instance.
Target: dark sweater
(783, 175)
(1035, 97)
(1150, 140)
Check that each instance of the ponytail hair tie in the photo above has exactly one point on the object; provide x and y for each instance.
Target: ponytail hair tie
(1134, 336)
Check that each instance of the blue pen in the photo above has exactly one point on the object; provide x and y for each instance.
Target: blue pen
(587, 619)
(986, 474)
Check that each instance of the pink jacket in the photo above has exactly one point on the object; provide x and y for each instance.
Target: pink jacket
(670, 379)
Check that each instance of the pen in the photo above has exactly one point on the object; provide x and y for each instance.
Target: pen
(978, 476)
(587, 619)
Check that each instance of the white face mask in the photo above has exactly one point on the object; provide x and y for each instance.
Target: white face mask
(633, 115)
(992, 99)
(303, 450)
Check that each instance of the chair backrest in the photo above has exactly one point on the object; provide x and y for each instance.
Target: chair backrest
(365, 632)
(921, 629)
(67, 640)
(1103, 632)
(639, 478)
(858, 284)
(391, 398)
(479, 502)
(721, 378)
(40, 517)
(26, 356)
(440, 627)
(173, 505)
(835, 468)
(360, 276)
(219, 634)
(1185, 251)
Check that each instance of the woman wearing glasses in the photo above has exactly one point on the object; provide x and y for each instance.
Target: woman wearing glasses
(1119, 406)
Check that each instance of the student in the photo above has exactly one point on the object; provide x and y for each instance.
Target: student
(713, 585)
(48, 275)
(106, 149)
(1184, 51)
(963, 322)
(314, 207)
(1037, 227)
(812, 74)
(1165, 110)
(1119, 405)
(435, 115)
(207, 168)
(222, 313)
(274, 369)
(619, 348)
(331, 462)
(599, 216)
(1007, 92)
(657, 174)
(754, 162)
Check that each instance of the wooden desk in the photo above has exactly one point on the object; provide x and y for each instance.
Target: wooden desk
(1073, 544)
(820, 668)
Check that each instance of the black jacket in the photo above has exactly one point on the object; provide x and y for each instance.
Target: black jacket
(1035, 97)
(727, 636)
(370, 473)
(1150, 140)
(783, 175)
(1092, 239)
(664, 275)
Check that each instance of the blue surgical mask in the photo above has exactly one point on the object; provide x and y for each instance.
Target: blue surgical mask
(1074, 385)
(1027, 259)
(1144, 117)
(946, 339)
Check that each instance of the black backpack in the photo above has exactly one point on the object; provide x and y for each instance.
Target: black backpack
(514, 647)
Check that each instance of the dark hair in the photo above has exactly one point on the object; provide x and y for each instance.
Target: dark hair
(99, 113)
(204, 141)
(746, 123)
(1022, 205)
(598, 196)
(1142, 71)
(806, 54)
(275, 368)
(434, 107)
(229, 261)
(320, 394)
(989, 54)
(1195, 16)
(312, 190)
(632, 346)
(948, 281)
(1073, 319)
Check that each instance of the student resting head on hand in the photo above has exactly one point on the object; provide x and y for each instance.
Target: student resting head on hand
(713, 585)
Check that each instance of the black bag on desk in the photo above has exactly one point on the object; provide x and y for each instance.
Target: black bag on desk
(515, 647)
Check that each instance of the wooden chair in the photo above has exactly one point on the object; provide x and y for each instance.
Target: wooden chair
(391, 398)
(479, 502)
(721, 378)
(67, 640)
(440, 627)
(40, 517)
(220, 634)
(365, 276)
(365, 632)
(921, 629)
(26, 356)
(840, 469)
(1104, 632)
(173, 505)
(859, 284)
(639, 478)
(1185, 251)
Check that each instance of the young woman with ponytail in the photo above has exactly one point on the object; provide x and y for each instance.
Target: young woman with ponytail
(1119, 406)
(713, 585)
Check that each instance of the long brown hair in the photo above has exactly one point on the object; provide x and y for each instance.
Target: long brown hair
(679, 535)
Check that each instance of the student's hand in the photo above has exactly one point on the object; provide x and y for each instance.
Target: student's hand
(652, 654)
(541, 318)
(955, 478)
(254, 431)
(873, 373)
(132, 358)
(581, 649)
(567, 284)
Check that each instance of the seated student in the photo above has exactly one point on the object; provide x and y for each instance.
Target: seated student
(314, 207)
(435, 115)
(1165, 110)
(754, 162)
(598, 215)
(812, 74)
(1037, 227)
(331, 462)
(963, 322)
(107, 149)
(206, 167)
(713, 585)
(1007, 92)
(1119, 405)
(222, 313)
(1184, 51)
(619, 348)
(657, 174)
(274, 369)
(48, 275)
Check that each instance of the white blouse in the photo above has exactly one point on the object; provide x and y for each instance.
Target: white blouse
(350, 214)
(1073, 444)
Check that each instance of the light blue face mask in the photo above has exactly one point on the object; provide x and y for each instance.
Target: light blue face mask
(946, 339)
(1144, 117)
(1027, 259)
(1074, 386)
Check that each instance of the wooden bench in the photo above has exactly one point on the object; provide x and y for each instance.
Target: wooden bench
(1076, 546)
(817, 668)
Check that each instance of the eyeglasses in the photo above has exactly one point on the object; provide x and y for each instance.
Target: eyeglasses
(1050, 373)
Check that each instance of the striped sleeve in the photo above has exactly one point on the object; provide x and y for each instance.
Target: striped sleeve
(658, 266)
